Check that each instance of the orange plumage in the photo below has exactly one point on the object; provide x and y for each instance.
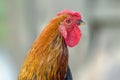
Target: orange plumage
(48, 57)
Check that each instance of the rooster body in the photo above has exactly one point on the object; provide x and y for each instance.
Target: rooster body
(48, 57)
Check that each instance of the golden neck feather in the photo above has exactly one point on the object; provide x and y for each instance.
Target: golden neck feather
(48, 55)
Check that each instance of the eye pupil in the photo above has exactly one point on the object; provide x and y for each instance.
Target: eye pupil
(68, 21)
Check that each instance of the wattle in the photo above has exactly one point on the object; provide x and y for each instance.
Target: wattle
(73, 37)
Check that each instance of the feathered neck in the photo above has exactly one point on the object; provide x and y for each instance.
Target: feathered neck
(48, 55)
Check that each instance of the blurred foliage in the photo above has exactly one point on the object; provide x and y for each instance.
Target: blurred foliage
(3, 19)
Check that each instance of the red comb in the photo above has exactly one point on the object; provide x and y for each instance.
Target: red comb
(73, 13)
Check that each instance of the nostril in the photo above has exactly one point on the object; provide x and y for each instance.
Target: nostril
(78, 22)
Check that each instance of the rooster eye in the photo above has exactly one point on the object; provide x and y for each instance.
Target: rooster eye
(68, 21)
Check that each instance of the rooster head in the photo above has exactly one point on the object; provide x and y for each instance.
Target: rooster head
(69, 27)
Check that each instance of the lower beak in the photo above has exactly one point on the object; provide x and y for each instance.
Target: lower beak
(81, 22)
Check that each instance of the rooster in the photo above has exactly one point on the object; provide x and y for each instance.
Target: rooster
(48, 57)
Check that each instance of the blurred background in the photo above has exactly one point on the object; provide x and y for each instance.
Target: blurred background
(97, 57)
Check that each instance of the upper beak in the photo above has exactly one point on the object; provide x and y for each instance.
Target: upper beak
(81, 22)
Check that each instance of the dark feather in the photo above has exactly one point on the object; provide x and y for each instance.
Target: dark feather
(68, 75)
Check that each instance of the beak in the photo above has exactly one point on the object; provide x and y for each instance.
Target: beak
(81, 22)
